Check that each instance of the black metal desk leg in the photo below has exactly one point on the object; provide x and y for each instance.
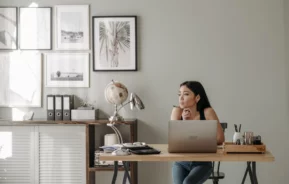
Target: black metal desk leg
(254, 173)
(245, 175)
(251, 174)
(115, 172)
(126, 173)
(124, 178)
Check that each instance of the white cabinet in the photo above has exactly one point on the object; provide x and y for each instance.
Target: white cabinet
(16, 155)
(61, 154)
(44, 154)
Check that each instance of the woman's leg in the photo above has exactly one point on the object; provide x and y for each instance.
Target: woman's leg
(180, 171)
(199, 173)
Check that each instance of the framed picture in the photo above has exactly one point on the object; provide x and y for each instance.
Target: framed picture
(35, 28)
(114, 43)
(66, 69)
(20, 79)
(72, 27)
(8, 28)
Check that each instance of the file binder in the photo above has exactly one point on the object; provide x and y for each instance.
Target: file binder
(50, 107)
(67, 106)
(58, 107)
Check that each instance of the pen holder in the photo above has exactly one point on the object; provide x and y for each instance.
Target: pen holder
(236, 136)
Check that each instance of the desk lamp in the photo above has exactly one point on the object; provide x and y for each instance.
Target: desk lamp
(116, 93)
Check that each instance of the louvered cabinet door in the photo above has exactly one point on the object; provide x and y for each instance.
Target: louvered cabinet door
(17, 155)
(62, 154)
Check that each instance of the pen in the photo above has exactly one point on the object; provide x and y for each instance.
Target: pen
(236, 129)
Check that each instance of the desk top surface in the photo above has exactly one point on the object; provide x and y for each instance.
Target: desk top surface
(165, 156)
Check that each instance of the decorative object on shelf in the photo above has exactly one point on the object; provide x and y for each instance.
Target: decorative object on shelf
(35, 28)
(110, 139)
(8, 31)
(28, 116)
(72, 27)
(84, 104)
(66, 69)
(20, 79)
(114, 43)
(116, 93)
(85, 112)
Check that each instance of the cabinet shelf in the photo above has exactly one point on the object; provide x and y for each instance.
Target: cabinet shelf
(96, 131)
(72, 122)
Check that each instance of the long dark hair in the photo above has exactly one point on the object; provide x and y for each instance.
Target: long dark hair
(198, 89)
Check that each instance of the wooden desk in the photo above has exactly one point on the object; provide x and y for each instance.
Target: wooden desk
(164, 156)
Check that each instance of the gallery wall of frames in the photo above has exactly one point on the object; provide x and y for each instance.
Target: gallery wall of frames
(53, 47)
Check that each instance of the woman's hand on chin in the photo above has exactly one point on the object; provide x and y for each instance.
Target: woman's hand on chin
(187, 114)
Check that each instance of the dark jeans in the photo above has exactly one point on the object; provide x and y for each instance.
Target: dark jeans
(191, 172)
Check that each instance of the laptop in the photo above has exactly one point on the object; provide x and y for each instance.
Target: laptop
(192, 136)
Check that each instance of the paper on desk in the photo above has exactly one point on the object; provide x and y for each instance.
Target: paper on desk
(111, 147)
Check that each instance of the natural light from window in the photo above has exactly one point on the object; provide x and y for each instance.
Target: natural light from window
(20, 75)
(5, 145)
(33, 4)
(22, 82)
(17, 114)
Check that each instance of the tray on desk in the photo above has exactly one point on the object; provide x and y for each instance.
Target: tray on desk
(229, 147)
(143, 150)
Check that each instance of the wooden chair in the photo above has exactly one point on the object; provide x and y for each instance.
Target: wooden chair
(217, 175)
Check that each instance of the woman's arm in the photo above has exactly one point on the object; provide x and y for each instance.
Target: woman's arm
(176, 113)
(210, 114)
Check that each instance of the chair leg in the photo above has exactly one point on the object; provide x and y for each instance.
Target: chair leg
(215, 181)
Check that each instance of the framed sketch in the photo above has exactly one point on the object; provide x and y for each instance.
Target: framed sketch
(8, 28)
(20, 79)
(66, 69)
(72, 27)
(114, 43)
(35, 28)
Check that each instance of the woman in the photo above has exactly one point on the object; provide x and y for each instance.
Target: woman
(194, 105)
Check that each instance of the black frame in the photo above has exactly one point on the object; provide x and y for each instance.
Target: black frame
(93, 43)
(51, 24)
(16, 39)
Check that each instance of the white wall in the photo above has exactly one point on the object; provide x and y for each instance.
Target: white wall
(237, 49)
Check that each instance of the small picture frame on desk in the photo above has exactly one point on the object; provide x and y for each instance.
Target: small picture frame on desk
(114, 43)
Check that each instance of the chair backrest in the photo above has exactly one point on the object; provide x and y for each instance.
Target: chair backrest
(218, 175)
(224, 125)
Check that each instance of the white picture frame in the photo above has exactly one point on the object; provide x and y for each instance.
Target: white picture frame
(20, 79)
(72, 27)
(35, 28)
(8, 28)
(66, 69)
